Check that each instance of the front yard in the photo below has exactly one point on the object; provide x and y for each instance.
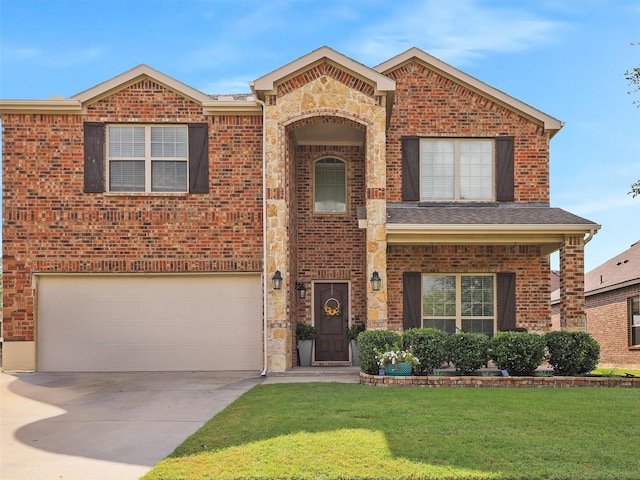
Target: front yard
(345, 431)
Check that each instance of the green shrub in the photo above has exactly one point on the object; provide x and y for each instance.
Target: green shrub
(354, 330)
(305, 331)
(428, 344)
(519, 353)
(572, 353)
(468, 351)
(372, 341)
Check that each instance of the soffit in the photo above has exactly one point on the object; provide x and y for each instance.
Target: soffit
(329, 134)
(550, 123)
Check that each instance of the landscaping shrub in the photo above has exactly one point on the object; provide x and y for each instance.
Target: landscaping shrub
(428, 344)
(519, 353)
(371, 340)
(572, 353)
(468, 351)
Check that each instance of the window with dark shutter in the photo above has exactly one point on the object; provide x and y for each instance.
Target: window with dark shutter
(198, 158)
(504, 169)
(411, 300)
(94, 157)
(506, 283)
(410, 168)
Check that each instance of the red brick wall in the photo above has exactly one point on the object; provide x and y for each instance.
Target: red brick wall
(331, 246)
(608, 322)
(533, 304)
(51, 225)
(428, 104)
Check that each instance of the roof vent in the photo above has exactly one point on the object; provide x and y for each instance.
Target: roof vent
(622, 263)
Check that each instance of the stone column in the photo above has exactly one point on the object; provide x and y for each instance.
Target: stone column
(572, 303)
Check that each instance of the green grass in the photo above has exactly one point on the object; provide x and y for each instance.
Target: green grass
(347, 431)
(615, 372)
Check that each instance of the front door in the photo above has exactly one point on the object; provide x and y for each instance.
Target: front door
(331, 311)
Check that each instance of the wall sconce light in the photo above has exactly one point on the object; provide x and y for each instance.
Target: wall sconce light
(301, 289)
(276, 280)
(376, 281)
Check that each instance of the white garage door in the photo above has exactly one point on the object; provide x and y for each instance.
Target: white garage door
(113, 323)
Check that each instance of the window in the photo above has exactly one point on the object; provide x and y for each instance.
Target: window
(634, 321)
(453, 302)
(330, 183)
(456, 169)
(146, 158)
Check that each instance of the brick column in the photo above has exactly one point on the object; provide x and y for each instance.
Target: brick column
(572, 306)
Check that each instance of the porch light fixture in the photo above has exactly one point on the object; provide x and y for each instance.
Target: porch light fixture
(276, 280)
(301, 289)
(376, 281)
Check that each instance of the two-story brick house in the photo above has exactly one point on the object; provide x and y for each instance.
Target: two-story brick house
(145, 222)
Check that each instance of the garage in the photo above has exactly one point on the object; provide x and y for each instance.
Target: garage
(120, 323)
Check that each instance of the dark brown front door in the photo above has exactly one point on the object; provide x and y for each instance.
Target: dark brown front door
(331, 305)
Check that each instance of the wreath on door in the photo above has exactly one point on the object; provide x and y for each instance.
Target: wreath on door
(332, 307)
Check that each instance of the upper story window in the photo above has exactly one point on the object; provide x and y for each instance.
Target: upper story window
(459, 302)
(330, 186)
(147, 158)
(456, 169)
(634, 321)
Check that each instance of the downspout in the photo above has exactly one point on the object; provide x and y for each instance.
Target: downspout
(590, 235)
(264, 230)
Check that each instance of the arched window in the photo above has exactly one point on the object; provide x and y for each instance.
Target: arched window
(330, 186)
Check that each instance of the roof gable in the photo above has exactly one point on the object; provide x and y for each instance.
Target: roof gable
(267, 83)
(549, 123)
(134, 75)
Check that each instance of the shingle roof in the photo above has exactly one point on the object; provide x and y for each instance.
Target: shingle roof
(496, 214)
(618, 272)
(621, 270)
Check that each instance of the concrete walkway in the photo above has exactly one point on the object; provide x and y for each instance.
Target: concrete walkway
(95, 426)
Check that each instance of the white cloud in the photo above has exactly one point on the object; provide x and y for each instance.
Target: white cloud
(47, 57)
(454, 31)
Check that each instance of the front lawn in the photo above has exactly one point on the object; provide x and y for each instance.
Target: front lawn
(348, 431)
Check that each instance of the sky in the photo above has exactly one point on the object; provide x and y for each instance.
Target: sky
(566, 58)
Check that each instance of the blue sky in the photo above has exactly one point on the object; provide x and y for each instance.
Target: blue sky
(564, 57)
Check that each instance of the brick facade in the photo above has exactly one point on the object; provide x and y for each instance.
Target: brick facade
(50, 225)
(258, 214)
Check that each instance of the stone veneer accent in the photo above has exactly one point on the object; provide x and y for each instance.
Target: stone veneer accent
(496, 382)
(323, 91)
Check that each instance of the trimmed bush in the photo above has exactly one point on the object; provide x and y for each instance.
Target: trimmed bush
(468, 351)
(428, 344)
(371, 341)
(519, 353)
(572, 353)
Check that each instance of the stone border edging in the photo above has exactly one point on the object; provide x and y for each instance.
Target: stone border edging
(433, 381)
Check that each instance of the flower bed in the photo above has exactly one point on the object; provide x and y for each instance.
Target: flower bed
(435, 381)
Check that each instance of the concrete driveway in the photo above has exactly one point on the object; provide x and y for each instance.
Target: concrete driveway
(94, 426)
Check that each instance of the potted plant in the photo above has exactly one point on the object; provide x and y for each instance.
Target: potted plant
(353, 331)
(305, 334)
(397, 362)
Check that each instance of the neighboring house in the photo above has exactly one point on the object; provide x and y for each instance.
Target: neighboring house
(146, 223)
(612, 297)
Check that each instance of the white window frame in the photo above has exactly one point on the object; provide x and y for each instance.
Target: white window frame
(147, 158)
(458, 317)
(456, 194)
(346, 176)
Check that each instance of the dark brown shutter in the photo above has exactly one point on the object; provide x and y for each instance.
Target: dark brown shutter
(198, 158)
(411, 300)
(504, 169)
(94, 157)
(506, 300)
(410, 168)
